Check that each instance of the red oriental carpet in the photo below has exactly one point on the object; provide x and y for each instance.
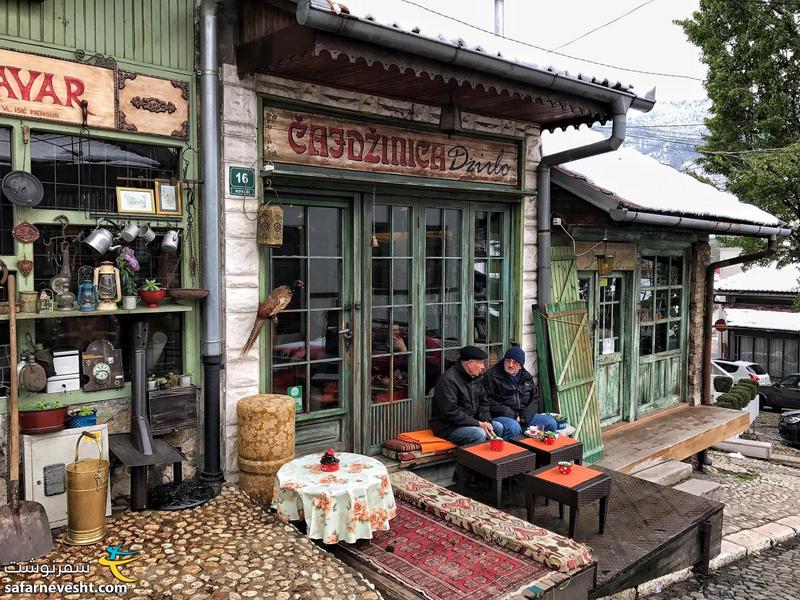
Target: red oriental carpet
(443, 561)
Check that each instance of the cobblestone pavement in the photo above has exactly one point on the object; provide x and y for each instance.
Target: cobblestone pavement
(766, 430)
(770, 575)
(755, 492)
(226, 549)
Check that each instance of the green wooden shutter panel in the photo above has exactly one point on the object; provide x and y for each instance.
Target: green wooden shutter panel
(564, 274)
(573, 371)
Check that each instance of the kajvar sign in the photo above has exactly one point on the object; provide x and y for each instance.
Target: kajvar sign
(241, 181)
(307, 139)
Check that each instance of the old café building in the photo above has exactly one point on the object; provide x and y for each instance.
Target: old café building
(406, 167)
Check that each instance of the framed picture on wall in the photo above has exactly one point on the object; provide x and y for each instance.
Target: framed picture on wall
(168, 198)
(135, 201)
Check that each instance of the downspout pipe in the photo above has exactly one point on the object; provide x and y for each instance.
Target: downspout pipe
(623, 215)
(772, 245)
(210, 240)
(543, 208)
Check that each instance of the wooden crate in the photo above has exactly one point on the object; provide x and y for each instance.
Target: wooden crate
(173, 409)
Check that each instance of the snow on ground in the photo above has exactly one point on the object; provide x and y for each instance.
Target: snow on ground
(643, 183)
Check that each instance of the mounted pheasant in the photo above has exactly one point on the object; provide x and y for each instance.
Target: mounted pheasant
(278, 299)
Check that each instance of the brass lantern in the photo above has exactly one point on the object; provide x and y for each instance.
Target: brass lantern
(605, 264)
(106, 282)
(269, 230)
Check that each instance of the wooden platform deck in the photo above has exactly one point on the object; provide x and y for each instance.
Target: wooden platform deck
(674, 434)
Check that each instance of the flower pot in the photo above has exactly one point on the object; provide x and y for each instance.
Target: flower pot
(329, 468)
(496, 445)
(184, 381)
(129, 302)
(42, 421)
(565, 467)
(82, 421)
(152, 385)
(152, 299)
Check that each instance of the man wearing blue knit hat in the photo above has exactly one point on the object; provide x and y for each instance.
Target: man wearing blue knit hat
(513, 396)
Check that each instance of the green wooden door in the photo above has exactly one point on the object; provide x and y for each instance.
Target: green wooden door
(311, 350)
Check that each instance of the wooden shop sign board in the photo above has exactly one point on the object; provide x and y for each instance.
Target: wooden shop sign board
(300, 138)
(52, 89)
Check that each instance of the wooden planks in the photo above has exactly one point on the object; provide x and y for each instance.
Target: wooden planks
(564, 274)
(573, 369)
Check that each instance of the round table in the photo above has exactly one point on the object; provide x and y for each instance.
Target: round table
(346, 505)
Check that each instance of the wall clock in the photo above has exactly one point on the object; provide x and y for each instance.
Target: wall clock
(101, 366)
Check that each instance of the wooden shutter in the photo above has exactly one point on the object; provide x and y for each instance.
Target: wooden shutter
(573, 372)
(564, 275)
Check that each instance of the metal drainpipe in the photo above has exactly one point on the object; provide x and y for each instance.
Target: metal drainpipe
(543, 275)
(772, 245)
(211, 236)
(499, 15)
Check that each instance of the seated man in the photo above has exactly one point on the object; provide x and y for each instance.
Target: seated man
(460, 411)
(513, 396)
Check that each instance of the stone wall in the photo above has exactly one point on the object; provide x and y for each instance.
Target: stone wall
(701, 254)
(241, 376)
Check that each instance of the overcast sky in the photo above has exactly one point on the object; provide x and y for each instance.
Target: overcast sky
(646, 39)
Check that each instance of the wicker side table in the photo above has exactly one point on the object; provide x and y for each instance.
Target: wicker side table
(478, 458)
(565, 449)
(596, 486)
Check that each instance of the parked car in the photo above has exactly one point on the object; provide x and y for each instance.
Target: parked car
(789, 426)
(741, 369)
(784, 393)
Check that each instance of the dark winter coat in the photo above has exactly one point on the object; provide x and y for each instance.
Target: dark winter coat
(509, 399)
(458, 401)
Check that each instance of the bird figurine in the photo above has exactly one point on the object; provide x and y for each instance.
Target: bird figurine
(275, 302)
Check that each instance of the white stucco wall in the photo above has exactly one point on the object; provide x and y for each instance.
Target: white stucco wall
(241, 255)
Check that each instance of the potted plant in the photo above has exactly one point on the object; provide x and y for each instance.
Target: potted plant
(128, 265)
(151, 293)
(84, 416)
(185, 380)
(42, 417)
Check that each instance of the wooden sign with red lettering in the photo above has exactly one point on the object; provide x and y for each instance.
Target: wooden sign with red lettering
(308, 139)
(36, 87)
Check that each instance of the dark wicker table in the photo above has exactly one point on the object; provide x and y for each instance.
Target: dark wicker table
(513, 460)
(596, 487)
(565, 449)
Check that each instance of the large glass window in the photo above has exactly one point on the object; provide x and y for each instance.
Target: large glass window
(69, 165)
(489, 267)
(660, 303)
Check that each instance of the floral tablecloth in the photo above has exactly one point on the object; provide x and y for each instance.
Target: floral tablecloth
(346, 505)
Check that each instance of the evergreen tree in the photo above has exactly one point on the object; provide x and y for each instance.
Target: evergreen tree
(752, 49)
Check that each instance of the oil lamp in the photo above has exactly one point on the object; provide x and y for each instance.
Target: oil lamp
(106, 282)
(87, 293)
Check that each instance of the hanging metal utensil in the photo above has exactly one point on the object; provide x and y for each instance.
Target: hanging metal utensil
(22, 188)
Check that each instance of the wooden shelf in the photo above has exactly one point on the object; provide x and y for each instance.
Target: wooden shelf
(59, 314)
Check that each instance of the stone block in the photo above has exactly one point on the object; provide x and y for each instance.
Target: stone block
(698, 487)
(667, 473)
(751, 448)
(654, 586)
(239, 224)
(239, 104)
(749, 539)
(243, 373)
(241, 300)
(776, 532)
(729, 553)
(792, 521)
(241, 257)
(242, 281)
(629, 594)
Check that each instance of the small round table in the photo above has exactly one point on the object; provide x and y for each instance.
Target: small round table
(346, 505)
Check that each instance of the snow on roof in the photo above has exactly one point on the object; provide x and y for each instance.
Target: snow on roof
(774, 320)
(640, 182)
(768, 278)
(416, 20)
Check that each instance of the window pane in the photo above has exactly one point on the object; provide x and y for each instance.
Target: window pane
(674, 341)
(495, 280)
(452, 280)
(324, 385)
(790, 358)
(452, 232)
(6, 208)
(495, 322)
(645, 340)
(324, 282)
(285, 377)
(400, 227)
(433, 326)
(646, 306)
(434, 232)
(480, 286)
(325, 325)
(401, 329)
(775, 367)
(433, 279)
(661, 337)
(324, 231)
(381, 333)
(496, 234)
(481, 323)
(294, 232)
(380, 282)
(760, 351)
(646, 267)
(402, 281)
(380, 379)
(676, 271)
(675, 303)
(745, 348)
(481, 231)
(662, 270)
(583, 288)
(380, 217)
(286, 271)
(434, 365)
(662, 304)
(452, 325)
(289, 342)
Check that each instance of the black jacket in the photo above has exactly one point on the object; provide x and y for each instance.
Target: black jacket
(507, 399)
(458, 401)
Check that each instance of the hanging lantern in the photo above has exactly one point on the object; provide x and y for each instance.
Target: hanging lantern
(269, 230)
(605, 264)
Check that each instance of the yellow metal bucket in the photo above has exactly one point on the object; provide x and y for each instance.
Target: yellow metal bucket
(87, 488)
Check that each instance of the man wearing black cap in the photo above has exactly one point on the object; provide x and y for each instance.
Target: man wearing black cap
(513, 396)
(460, 410)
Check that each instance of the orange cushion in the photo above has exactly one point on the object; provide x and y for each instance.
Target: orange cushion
(426, 439)
(484, 451)
(560, 442)
(577, 476)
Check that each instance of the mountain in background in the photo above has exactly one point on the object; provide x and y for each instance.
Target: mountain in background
(670, 132)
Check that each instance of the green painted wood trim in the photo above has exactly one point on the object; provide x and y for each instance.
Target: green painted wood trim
(60, 314)
(29, 400)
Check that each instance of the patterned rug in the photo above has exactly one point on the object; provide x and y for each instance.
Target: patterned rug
(443, 561)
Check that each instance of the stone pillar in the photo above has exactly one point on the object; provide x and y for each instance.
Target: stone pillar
(701, 254)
